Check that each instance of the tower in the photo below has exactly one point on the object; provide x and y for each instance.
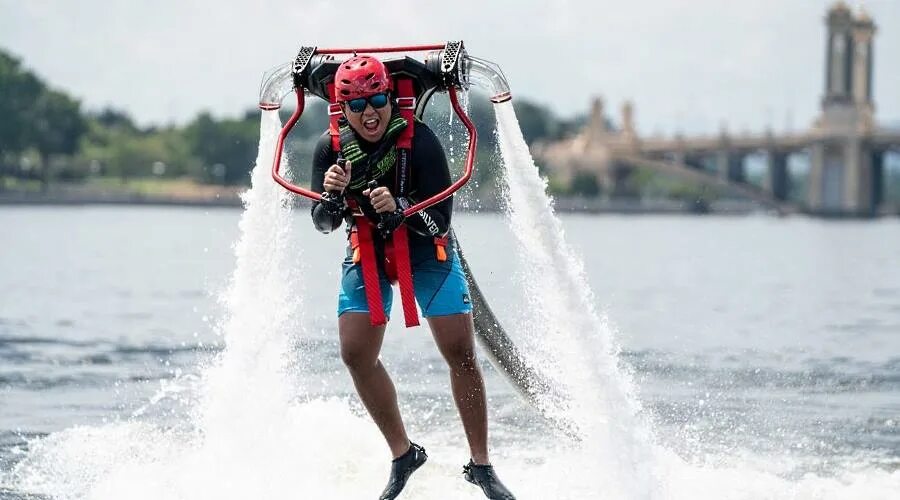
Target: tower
(842, 175)
(597, 129)
(838, 55)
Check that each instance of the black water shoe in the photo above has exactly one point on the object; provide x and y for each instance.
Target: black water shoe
(401, 468)
(485, 477)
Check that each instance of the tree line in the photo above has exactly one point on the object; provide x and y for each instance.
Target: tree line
(46, 135)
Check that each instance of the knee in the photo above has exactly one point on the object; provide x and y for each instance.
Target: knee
(460, 357)
(357, 360)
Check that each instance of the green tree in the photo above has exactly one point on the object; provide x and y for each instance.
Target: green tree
(19, 89)
(537, 122)
(115, 144)
(226, 148)
(35, 116)
(585, 184)
(56, 128)
(114, 119)
(313, 122)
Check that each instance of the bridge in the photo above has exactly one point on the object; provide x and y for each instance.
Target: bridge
(845, 146)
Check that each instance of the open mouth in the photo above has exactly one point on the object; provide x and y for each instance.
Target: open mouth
(371, 124)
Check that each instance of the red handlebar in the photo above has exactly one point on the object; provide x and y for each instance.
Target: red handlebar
(371, 50)
(443, 195)
(470, 161)
(279, 148)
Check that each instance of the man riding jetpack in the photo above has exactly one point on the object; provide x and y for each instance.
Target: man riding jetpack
(375, 161)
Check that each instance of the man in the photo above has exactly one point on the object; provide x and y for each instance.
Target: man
(369, 131)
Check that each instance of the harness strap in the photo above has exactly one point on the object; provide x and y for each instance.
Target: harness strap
(397, 266)
(370, 272)
(397, 261)
(334, 115)
(400, 244)
(406, 101)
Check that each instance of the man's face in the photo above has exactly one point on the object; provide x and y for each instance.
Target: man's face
(369, 123)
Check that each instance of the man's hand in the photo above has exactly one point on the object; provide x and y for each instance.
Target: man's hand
(336, 178)
(390, 222)
(382, 200)
(333, 204)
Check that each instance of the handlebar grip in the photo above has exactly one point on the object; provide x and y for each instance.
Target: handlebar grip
(337, 195)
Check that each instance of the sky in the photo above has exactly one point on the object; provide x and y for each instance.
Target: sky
(689, 66)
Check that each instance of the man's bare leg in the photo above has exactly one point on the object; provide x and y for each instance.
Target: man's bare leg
(455, 338)
(360, 345)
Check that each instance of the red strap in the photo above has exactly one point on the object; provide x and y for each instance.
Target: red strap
(397, 263)
(390, 262)
(399, 241)
(334, 114)
(370, 272)
(400, 244)
(406, 101)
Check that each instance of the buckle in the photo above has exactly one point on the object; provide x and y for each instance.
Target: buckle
(334, 109)
(406, 102)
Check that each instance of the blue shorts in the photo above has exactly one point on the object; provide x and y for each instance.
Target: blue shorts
(441, 287)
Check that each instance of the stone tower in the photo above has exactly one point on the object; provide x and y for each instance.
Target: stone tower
(842, 176)
(597, 130)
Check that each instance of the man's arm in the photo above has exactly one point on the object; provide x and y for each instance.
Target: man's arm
(430, 176)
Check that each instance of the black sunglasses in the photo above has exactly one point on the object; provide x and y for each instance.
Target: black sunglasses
(377, 101)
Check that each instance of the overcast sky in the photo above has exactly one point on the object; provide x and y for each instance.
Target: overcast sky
(688, 65)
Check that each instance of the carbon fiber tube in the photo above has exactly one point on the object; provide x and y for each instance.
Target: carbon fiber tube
(506, 358)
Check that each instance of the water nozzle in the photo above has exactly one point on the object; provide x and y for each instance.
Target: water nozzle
(489, 76)
(458, 69)
(279, 81)
(276, 84)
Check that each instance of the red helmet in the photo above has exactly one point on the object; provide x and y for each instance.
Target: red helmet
(361, 76)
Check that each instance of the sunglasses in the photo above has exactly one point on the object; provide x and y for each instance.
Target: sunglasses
(377, 101)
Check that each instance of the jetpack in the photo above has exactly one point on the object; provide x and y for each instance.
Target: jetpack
(447, 68)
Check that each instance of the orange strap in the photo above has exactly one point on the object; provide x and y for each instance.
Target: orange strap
(440, 248)
(354, 245)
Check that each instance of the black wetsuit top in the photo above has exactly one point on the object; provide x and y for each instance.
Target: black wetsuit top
(429, 175)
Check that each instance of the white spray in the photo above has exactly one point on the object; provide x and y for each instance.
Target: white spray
(247, 438)
(568, 333)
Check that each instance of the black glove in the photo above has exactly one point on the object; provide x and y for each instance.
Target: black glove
(333, 201)
(390, 222)
(333, 204)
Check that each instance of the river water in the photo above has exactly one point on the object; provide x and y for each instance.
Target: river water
(152, 353)
(764, 354)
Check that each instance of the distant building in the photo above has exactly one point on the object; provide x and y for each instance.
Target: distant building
(845, 145)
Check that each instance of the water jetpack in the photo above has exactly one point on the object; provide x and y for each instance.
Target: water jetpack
(444, 68)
